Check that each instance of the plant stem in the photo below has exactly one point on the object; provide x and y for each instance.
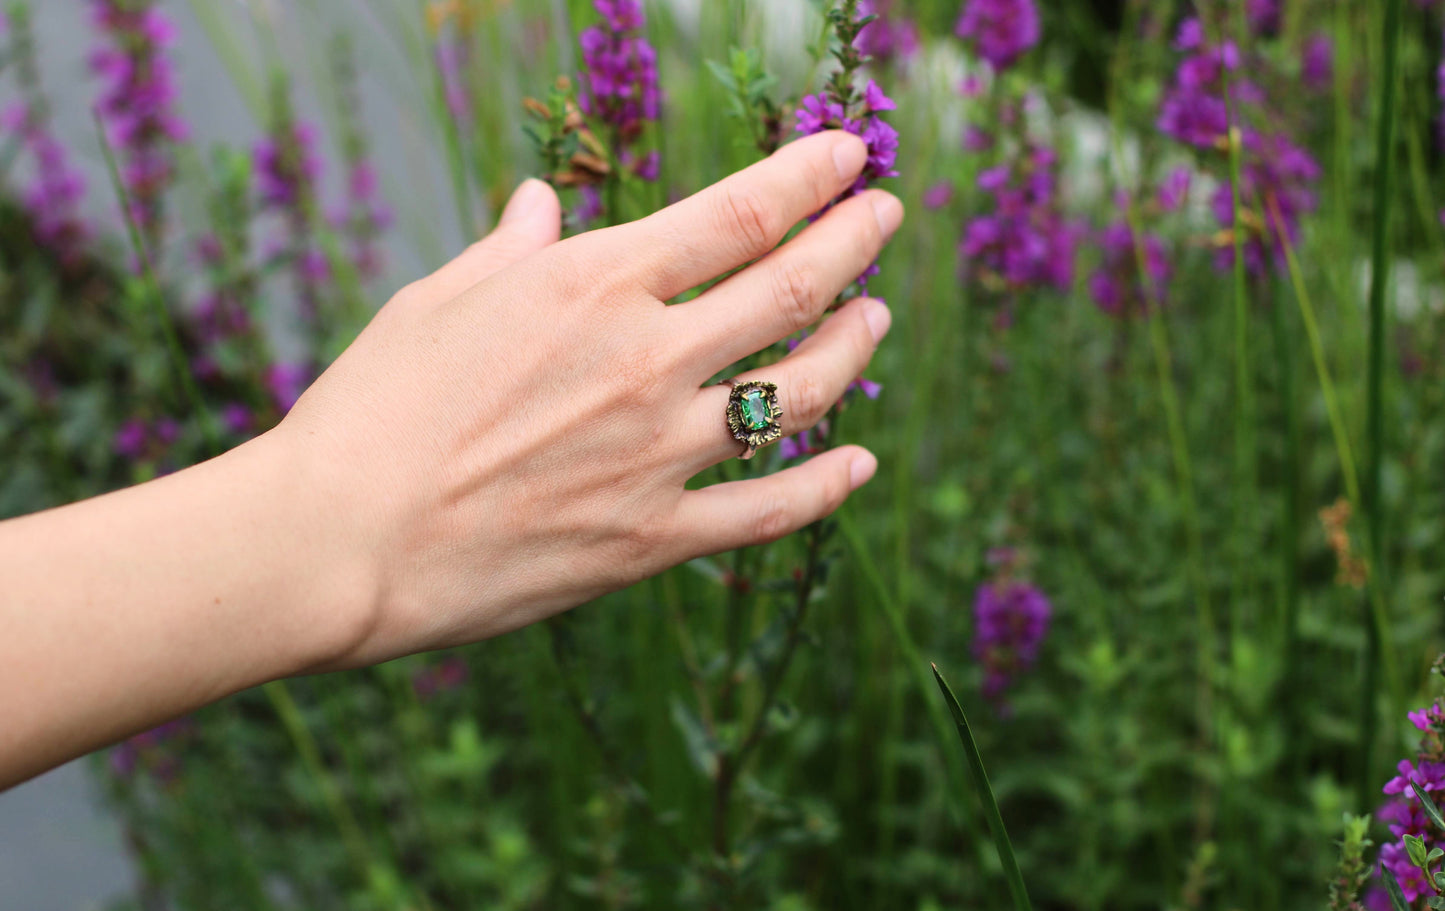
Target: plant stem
(1375, 394)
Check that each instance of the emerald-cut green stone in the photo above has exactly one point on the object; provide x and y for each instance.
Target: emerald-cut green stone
(754, 410)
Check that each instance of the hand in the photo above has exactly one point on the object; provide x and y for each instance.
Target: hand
(511, 436)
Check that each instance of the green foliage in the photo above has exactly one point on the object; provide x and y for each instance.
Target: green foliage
(758, 729)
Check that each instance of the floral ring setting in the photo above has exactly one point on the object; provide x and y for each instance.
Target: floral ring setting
(753, 414)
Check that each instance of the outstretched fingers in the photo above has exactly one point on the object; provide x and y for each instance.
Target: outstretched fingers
(737, 219)
(759, 510)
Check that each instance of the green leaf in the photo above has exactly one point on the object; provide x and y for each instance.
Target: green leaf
(1427, 803)
(1392, 889)
(1415, 847)
(985, 791)
(1437, 903)
(702, 747)
(722, 74)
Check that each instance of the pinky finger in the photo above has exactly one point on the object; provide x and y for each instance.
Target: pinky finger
(740, 513)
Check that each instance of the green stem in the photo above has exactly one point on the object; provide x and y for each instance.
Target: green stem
(1375, 392)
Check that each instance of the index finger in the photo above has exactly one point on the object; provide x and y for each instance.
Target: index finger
(741, 217)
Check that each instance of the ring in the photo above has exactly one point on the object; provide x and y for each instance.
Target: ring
(753, 414)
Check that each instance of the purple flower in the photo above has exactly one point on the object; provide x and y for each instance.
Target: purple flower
(1193, 110)
(152, 750)
(286, 382)
(1317, 62)
(1001, 30)
(817, 113)
(445, 676)
(1403, 813)
(130, 440)
(1025, 240)
(1275, 175)
(1174, 190)
(938, 195)
(287, 167)
(1263, 16)
(1011, 619)
(620, 86)
(890, 36)
(237, 418)
(137, 101)
(1117, 287)
(452, 54)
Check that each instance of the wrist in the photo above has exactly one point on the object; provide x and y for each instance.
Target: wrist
(325, 572)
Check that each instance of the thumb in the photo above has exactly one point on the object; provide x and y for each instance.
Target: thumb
(531, 221)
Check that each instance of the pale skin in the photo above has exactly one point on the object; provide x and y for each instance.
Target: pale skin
(509, 437)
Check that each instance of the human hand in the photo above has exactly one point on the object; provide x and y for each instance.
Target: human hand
(511, 436)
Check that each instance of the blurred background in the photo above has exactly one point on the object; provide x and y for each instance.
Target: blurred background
(1159, 422)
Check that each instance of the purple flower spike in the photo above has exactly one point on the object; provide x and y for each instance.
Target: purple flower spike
(137, 101)
(1011, 619)
(619, 79)
(889, 37)
(1001, 31)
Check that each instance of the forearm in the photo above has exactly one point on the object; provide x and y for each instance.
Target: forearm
(123, 611)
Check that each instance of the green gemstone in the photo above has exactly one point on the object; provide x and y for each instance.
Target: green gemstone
(755, 411)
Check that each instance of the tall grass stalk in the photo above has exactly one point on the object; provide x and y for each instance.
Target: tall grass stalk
(1011, 871)
(1375, 393)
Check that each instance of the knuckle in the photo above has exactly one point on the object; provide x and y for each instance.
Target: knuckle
(747, 218)
(807, 400)
(773, 519)
(798, 293)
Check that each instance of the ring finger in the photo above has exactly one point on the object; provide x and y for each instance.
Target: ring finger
(810, 380)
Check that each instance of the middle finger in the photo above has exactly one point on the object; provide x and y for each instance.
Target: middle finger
(787, 290)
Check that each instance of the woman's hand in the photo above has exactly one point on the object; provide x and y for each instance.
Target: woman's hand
(511, 436)
(508, 438)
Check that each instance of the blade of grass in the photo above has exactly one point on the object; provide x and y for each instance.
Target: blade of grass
(1375, 390)
(1011, 870)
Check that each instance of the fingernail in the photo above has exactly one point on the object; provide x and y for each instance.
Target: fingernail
(862, 468)
(878, 317)
(523, 199)
(849, 154)
(889, 212)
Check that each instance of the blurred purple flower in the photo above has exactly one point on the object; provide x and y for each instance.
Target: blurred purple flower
(1024, 241)
(53, 197)
(1193, 110)
(449, 674)
(619, 76)
(1263, 16)
(1116, 286)
(1001, 30)
(452, 55)
(287, 167)
(890, 37)
(137, 102)
(1275, 173)
(286, 382)
(237, 418)
(153, 750)
(1011, 619)
(1317, 62)
(938, 195)
(1174, 190)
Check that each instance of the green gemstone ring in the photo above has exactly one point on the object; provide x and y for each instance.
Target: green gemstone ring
(754, 416)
